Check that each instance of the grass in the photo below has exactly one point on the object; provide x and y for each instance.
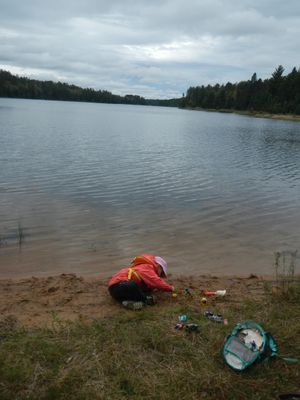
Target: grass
(139, 355)
(285, 266)
(20, 234)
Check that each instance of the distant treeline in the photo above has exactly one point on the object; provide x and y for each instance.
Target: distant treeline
(21, 87)
(279, 94)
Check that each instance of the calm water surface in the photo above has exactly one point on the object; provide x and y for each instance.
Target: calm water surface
(92, 185)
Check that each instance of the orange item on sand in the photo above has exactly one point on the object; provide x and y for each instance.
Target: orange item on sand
(214, 292)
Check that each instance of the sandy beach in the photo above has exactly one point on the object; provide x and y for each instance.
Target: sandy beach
(39, 301)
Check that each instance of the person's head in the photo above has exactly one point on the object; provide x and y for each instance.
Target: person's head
(162, 266)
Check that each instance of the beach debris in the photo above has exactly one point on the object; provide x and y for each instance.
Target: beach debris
(174, 295)
(218, 293)
(215, 317)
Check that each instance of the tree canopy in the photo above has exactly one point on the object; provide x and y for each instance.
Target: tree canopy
(278, 94)
(22, 87)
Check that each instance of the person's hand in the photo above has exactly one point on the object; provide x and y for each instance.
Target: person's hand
(174, 294)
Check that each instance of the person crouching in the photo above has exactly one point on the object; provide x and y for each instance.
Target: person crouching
(132, 286)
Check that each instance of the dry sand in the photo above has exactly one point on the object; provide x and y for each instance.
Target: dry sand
(40, 301)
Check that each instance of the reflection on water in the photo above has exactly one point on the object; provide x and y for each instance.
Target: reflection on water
(94, 184)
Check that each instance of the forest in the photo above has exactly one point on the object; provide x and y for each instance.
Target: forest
(280, 94)
(25, 88)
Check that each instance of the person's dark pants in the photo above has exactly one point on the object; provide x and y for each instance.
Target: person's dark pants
(127, 290)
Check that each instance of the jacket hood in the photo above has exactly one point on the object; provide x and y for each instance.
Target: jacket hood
(145, 259)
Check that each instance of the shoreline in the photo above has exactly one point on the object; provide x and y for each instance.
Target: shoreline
(256, 114)
(70, 297)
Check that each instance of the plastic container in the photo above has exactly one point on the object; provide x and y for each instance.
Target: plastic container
(182, 318)
(219, 293)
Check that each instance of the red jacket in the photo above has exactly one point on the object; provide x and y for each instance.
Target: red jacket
(144, 272)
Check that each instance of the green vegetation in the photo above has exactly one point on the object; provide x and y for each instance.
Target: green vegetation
(285, 267)
(20, 234)
(21, 87)
(139, 355)
(279, 94)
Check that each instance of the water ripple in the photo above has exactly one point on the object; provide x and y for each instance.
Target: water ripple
(94, 184)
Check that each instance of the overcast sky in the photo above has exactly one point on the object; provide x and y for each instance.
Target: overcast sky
(153, 48)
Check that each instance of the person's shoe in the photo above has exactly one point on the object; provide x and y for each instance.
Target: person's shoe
(133, 305)
(151, 300)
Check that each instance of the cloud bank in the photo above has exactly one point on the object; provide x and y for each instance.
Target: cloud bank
(156, 49)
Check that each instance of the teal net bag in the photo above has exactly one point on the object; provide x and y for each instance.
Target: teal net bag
(248, 343)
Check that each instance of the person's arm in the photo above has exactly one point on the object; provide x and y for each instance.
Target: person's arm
(153, 281)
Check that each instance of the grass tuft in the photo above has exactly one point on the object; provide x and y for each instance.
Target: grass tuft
(285, 267)
(20, 234)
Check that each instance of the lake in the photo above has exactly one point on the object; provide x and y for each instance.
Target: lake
(89, 186)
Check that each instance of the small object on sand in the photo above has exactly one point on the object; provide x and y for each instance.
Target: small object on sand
(191, 327)
(174, 295)
(218, 293)
(188, 327)
(215, 317)
(203, 301)
(188, 292)
(182, 318)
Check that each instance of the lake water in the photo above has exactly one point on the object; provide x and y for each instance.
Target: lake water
(92, 185)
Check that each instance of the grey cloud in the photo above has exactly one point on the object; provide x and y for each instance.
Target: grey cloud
(139, 46)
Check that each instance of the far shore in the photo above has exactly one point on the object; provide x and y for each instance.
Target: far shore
(257, 114)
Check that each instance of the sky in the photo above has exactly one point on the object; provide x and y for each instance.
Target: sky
(151, 48)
